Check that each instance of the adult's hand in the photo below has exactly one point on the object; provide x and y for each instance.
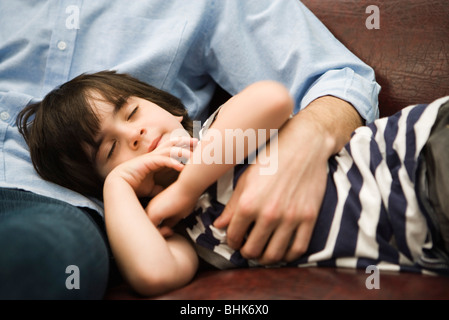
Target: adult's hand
(283, 207)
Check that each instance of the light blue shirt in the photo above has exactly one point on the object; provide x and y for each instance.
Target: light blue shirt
(182, 46)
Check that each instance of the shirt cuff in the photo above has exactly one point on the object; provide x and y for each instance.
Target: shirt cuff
(349, 86)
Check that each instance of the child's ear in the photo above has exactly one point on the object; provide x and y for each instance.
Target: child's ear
(179, 118)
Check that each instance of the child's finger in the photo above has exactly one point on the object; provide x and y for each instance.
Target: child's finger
(179, 149)
(180, 154)
(156, 162)
(166, 232)
(185, 142)
(156, 190)
(179, 141)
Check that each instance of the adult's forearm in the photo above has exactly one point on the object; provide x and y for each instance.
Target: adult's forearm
(336, 119)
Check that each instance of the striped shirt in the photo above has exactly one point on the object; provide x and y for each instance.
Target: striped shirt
(370, 214)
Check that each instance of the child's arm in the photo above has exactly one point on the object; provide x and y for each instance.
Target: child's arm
(149, 262)
(261, 107)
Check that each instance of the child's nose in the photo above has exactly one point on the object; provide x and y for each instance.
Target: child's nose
(136, 139)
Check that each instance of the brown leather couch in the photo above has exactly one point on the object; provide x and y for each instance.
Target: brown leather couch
(410, 55)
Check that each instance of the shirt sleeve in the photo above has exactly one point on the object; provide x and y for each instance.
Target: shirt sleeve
(283, 41)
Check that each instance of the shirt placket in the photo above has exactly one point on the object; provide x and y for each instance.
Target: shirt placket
(62, 45)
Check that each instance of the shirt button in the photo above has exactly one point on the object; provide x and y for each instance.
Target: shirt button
(62, 45)
(4, 115)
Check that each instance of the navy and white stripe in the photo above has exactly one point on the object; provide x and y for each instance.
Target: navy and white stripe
(370, 213)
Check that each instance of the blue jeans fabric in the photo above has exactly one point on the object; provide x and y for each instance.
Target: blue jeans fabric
(40, 238)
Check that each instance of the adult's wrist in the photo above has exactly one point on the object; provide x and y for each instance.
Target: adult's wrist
(334, 119)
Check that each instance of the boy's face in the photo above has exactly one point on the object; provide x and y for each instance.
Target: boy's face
(137, 128)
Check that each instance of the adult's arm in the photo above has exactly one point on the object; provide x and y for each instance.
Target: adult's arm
(284, 206)
(284, 41)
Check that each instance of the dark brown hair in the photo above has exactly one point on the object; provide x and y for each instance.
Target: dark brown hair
(64, 126)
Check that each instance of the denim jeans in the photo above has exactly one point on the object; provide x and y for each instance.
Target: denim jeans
(49, 249)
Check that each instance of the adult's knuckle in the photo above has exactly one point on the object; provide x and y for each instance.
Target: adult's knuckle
(246, 206)
(299, 250)
(309, 214)
(272, 257)
(250, 252)
(232, 238)
(296, 251)
(291, 216)
(269, 216)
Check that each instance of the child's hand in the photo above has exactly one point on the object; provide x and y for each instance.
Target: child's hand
(139, 172)
(171, 205)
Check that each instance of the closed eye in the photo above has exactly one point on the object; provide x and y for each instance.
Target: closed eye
(111, 151)
(132, 113)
